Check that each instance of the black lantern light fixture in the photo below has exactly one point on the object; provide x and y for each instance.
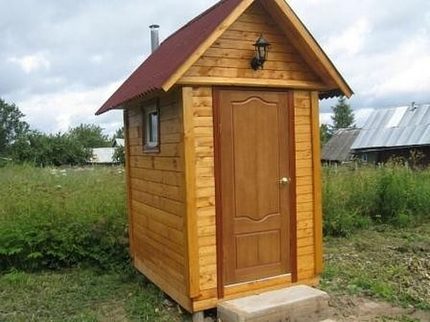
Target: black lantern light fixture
(261, 51)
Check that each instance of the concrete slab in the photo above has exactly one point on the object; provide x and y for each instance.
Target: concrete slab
(298, 303)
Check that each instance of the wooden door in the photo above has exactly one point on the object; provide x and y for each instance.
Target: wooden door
(254, 158)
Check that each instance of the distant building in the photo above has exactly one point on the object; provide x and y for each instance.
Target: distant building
(118, 143)
(338, 148)
(106, 155)
(103, 156)
(401, 132)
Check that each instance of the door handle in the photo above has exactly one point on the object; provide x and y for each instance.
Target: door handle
(285, 181)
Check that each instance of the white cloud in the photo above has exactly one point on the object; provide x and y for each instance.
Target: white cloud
(57, 112)
(31, 63)
(361, 117)
(97, 59)
(59, 73)
(409, 68)
(352, 40)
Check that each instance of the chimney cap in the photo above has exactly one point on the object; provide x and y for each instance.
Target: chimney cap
(154, 26)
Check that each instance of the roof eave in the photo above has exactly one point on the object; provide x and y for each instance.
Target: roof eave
(338, 83)
(231, 18)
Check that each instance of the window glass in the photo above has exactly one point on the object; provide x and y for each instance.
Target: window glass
(151, 124)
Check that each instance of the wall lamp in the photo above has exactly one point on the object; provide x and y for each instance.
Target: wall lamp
(261, 51)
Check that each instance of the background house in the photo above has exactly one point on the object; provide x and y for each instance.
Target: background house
(107, 155)
(103, 156)
(338, 149)
(401, 132)
(118, 143)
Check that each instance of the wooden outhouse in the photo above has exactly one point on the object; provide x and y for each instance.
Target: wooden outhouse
(223, 154)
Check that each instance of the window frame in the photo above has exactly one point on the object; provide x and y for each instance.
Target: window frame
(150, 146)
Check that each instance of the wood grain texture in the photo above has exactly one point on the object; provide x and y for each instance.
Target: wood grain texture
(257, 287)
(293, 187)
(305, 233)
(207, 43)
(199, 167)
(301, 38)
(316, 147)
(152, 272)
(157, 198)
(255, 206)
(191, 186)
(128, 183)
(228, 58)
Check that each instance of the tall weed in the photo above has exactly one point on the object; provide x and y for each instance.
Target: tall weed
(357, 197)
(53, 218)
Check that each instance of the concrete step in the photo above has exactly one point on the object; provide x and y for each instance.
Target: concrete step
(297, 303)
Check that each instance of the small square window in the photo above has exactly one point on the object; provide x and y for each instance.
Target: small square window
(151, 128)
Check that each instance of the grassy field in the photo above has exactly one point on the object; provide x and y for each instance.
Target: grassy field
(63, 244)
(53, 218)
(386, 264)
(83, 295)
(391, 264)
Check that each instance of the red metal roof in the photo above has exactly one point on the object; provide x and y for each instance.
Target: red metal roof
(172, 54)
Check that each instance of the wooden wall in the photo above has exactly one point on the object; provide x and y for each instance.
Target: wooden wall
(305, 183)
(200, 131)
(157, 198)
(172, 194)
(227, 61)
(308, 239)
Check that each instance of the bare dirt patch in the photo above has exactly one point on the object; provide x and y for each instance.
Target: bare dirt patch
(354, 308)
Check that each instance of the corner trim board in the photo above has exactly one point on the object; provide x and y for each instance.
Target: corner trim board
(318, 226)
(191, 209)
(128, 183)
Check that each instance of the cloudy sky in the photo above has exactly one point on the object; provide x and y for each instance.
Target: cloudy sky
(60, 59)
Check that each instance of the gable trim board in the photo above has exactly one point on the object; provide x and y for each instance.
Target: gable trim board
(153, 75)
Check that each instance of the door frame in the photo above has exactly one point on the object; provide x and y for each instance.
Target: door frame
(218, 190)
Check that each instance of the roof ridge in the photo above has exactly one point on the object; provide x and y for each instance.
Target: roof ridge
(195, 19)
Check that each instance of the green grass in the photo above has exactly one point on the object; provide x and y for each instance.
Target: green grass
(51, 218)
(82, 295)
(63, 243)
(357, 198)
(388, 263)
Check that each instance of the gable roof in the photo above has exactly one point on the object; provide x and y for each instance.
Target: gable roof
(177, 53)
(338, 148)
(405, 126)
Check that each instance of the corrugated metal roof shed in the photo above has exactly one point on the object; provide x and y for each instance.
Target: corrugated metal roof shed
(103, 155)
(396, 127)
(338, 148)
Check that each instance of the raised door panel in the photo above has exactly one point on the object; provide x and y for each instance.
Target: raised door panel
(254, 157)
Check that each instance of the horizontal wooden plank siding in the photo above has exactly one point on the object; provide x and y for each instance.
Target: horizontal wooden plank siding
(305, 186)
(230, 55)
(205, 186)
(157, 198)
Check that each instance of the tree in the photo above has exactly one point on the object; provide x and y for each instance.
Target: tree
(119, 155)
(49, 150)
(89, 135)
(325, 134)
(343, 115)
(12, 127)
(119, 134)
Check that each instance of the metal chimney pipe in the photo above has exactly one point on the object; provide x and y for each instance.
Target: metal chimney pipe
(155, 38)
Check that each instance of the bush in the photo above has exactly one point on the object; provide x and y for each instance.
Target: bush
(353, 198)
(60, 218)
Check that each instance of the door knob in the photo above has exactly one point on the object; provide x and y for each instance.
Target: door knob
(284, 181)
